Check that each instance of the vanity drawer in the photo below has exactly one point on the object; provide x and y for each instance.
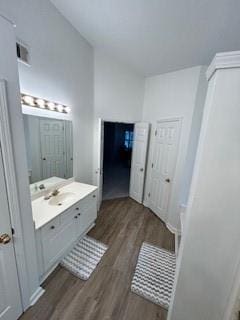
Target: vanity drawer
(51, 227)
(70, 213)
(88, 201)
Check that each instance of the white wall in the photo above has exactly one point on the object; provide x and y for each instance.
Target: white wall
(118, 90)
(209, 257)
(118, 94)
(194, 136)
(175, 94)
(61, 69)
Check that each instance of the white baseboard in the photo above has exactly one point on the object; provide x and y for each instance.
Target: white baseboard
(37, 294)
(172, 229)
(145, 203)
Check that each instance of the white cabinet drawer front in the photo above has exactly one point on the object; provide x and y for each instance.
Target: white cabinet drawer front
(88, 201)
(55, 245)
(69, 214)
(51, 227)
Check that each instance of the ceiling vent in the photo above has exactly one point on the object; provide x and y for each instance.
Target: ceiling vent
(22, 53)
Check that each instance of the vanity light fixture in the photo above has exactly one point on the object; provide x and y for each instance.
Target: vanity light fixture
(43, 104)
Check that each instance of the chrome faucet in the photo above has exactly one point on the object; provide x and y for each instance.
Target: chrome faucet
(41, 187)
(54, 193)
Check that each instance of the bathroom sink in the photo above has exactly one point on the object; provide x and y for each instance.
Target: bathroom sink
(61, 198)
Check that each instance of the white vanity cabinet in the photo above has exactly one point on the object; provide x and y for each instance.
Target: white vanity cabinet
(55, 238)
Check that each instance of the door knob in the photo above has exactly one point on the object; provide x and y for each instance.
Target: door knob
(167, 180)
(141, 169)
(5, 238)
(44, 158)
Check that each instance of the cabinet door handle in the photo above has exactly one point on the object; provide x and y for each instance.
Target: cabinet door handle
(79, 214)
(77, 209)
(94, 196)
(76, 217)
(52, 227)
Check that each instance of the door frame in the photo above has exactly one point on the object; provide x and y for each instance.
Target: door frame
(13, 199)
(100, 148)
(151, 148)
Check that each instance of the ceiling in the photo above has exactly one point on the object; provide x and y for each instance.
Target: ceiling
(157, 36)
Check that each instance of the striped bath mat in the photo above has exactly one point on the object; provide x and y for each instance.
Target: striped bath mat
(84, 257)
(154, 275)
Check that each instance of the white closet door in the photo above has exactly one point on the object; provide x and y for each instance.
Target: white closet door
(52, 148)
(10, 301)
(139, 155)
(163, 165)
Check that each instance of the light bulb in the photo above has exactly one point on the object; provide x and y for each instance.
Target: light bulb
(59, 108)
(67, 109)
(51, 106)
(40, 103)
(29, 100)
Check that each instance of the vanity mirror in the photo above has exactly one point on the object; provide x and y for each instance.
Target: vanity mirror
(49, 149)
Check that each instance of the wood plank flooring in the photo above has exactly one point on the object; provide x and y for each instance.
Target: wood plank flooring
(123, 225)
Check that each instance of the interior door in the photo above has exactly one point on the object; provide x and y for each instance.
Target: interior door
(52, 148)
(139, 155)
(10, 301)
(99, 170)
(163, 165)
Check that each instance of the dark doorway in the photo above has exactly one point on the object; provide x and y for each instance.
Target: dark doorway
(118, 141)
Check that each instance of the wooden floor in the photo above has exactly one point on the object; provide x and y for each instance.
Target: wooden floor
(123, 225)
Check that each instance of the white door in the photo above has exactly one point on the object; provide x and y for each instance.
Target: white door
(99, 170)
(163, 165)
(10, 301)
(139, 155)
(52, 141)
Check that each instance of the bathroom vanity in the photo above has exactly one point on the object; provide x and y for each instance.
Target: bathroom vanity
(60, 221)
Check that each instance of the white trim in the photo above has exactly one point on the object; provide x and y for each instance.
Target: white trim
(170, 119)
(172, 229)
(118, 121)
(15, 214)
(37, 294)
(176, 233)
(223, 60)
(8, 161)
(32, 111)
(145, 203)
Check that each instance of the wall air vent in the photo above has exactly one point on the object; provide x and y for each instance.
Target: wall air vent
(22, 53)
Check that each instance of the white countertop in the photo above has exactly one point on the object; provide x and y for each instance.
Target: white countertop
(43, 212)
